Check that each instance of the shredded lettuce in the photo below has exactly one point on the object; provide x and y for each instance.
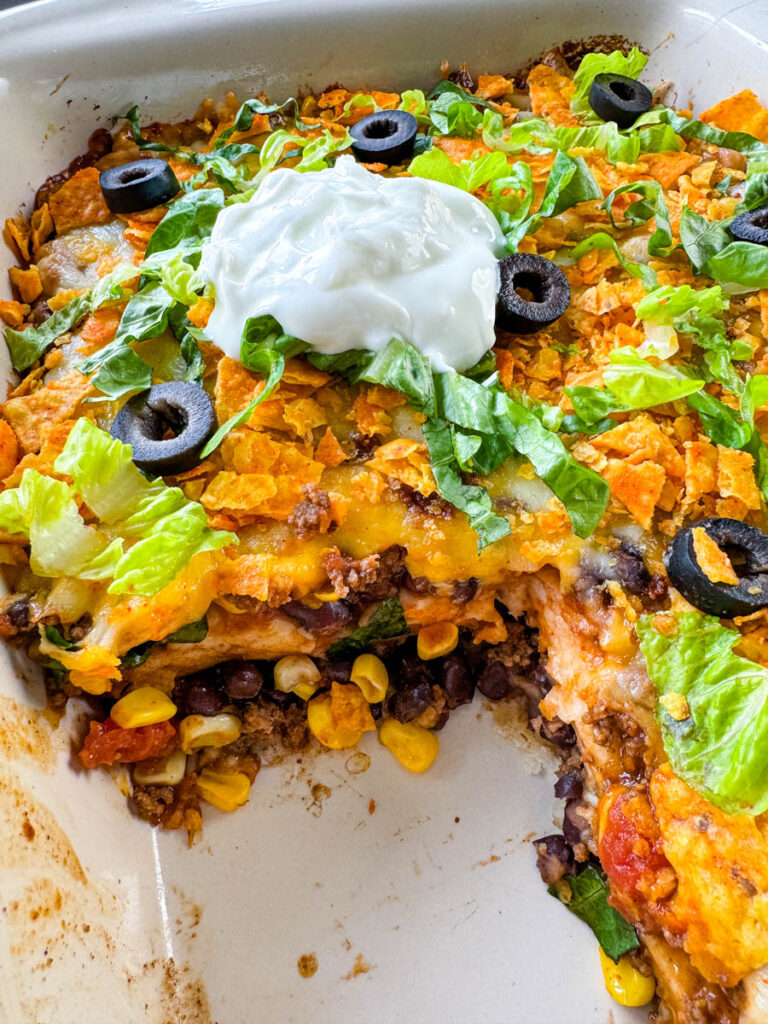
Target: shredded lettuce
(313, 153)
(454, 111)
(504, 427)
(27, 346)
(146, 532)
(640, 211)
(469, 175)
(721, 748)
(44, 510)
(264, 347)
(595, 64)
(712, 250)
(602, 240)
(631, 382)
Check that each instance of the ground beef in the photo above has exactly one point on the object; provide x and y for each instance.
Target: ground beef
(373, 578)
(170, 806)
(312, 515)
(619, 732)
(365, 445)
(99, 144)
(267, 719)
(431, 505)
(462, 78)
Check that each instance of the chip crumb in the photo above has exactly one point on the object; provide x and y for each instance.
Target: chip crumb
(675, 705)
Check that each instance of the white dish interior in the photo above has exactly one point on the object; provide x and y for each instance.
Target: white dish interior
(437, 890)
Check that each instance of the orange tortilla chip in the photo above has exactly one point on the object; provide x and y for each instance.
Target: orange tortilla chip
(740, 113)
(58, 400)
(638, 487)
(551, 94)
(79, 202)
(736, 477)
(329, 451)
(666, 168)
(27, 283)
(407, 461)
(700, 469)
(13, 313)
(713, 561)
(238, 491)
(491, 87)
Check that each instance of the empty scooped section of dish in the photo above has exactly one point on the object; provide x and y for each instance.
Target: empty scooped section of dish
(348, 889)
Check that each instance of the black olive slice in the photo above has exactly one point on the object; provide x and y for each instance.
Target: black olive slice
(546, 284)
(751, 226)
(619, 99)
(167, 427)
(139, 185)
(747, 548)
(384, 137)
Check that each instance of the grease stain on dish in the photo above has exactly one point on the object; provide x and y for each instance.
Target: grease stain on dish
(360, 966)
(307, 965)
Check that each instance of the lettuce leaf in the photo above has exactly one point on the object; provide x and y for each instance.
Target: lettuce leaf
(45, 511)
(27, 346)
(603, 63)
(264, 347)
(631, 383)
(689, 128)
(168, 530)
(639, 212)
(602, 240)
(473, 501)
(469, 175)
(386, 622)
(587, 897)
(712, 250)
(188, 222)
(721, 749)
(454, 111)
(672, 304)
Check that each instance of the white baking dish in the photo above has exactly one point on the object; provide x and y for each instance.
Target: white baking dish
(103, 920)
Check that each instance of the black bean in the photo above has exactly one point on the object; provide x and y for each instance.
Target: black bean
(554, 858)
(330, 614)
(575, 827)
(198, 695)
(494, 682)
(377, 710)
(418, 584)
(456, 680)
(18, 613)
(442, 718)
(408, 703)
(339, 671)
(569, 786)
(241, 679)
(465, 590)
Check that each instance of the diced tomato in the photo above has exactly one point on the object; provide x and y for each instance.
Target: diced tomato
(631, 850)
(107, 743)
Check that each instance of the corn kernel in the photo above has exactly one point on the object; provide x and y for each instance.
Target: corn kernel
(295, 670)
(625, 983)
(437, 640)
(225, 790)
(305, 690)
(196, 731)
(161, 771)
(414, 746)
(370, 674)
(339, 717)
(143, 706)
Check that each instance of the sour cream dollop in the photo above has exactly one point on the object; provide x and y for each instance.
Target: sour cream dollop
(344, 259)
